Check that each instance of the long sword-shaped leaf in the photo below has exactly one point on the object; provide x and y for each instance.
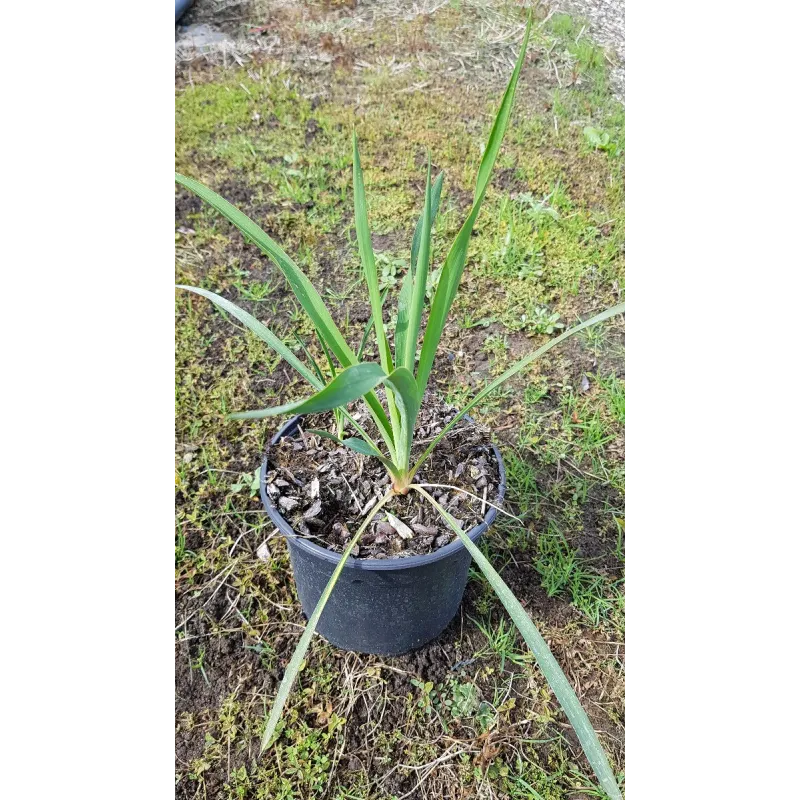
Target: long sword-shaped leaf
(368, 257)
(436, 194)
(513, 370)
(350, 384)
(456, 258)
(302, 646)
(420, 280)
(260, 330)
(371, 274)
(403, 310)
(545, 659)
(407, 289)
(361, 447)
(408, 401)
(301, 286)
(312, 360)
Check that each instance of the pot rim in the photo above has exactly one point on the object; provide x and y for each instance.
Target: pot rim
(373, 564)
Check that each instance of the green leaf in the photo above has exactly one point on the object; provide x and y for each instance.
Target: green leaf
(435, 196)
(305, 640)
(420, 280)
(408, 288)
(368, 257)
(456, 258)
(408, 401)
(513, 370)
(545, 659)
(359, 446)
(328, 356)
(371, 275)
(350, 384)
(260, 330)
(301, 286)
(596, 137)
(403, 309)
(317, 370)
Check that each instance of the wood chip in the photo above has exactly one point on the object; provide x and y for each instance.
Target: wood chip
(313, 510)
(400, 526)
(288, 503)
(341, 530)
(368, 506)
(425, 530)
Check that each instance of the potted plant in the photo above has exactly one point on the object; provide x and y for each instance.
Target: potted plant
(388, 601)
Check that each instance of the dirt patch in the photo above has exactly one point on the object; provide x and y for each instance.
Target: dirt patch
(325, 490)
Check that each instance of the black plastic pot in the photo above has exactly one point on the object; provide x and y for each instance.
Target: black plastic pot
(382, 606)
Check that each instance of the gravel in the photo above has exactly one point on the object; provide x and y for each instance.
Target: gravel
(606, 27)
(219, 30)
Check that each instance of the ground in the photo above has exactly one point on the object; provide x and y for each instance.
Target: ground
(268, 126)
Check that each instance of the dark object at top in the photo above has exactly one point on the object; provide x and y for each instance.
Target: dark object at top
(181, 7)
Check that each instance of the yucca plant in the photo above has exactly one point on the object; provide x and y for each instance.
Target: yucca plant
(404, 372)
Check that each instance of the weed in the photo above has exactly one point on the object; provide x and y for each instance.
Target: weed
(556, 560)
(501, 641)
(197, 663)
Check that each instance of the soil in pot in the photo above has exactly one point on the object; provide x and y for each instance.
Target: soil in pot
(325, 490)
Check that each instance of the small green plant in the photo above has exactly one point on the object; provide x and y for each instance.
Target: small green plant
(448, 700)
(540, 320)
(460, 700)
(424, 702)
(556, 560)
(540, 210)
(197, 663)
(404, 372)
(597, 138)
(501, 640)
(468, 321)
(391, 271)
(249, 481)
(265, 652)
(257, 291)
